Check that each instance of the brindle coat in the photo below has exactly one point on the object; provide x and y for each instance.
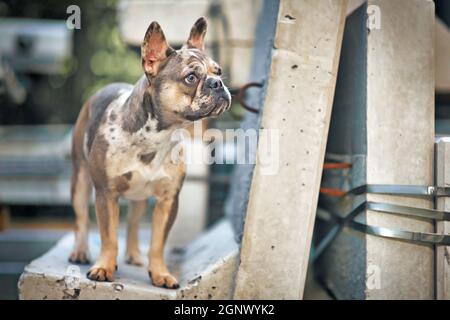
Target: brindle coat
(122, 147)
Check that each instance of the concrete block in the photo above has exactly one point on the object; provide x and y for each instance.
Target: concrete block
(209, 265)
(400, 141)
(383, 121)
(301, 82)
(204, 268)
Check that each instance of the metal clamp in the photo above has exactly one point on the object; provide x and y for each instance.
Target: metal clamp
(348, 220)
(239, 95)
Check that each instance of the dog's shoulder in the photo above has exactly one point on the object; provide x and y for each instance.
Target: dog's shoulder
(98, 104)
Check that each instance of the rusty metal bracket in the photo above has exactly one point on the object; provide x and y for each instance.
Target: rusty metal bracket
(239, 95)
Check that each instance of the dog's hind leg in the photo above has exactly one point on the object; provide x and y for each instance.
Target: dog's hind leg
(135, 211)
(81, 189)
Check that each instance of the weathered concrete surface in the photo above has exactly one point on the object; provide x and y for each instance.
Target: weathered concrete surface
(204, 268)
(281, 209)
(443, 253)
(209, 265)
(400, 141)
(442, 55)
(383, 123)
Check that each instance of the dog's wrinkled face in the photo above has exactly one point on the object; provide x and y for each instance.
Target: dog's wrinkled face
(186, 84)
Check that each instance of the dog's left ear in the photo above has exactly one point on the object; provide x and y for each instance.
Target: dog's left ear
(154, 49)
(197, 34)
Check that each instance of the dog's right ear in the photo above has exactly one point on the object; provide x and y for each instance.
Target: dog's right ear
(154, 49)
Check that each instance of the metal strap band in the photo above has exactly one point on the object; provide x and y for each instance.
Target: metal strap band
(409, 211)
(394, 209)
(405, 190)
(415, 237)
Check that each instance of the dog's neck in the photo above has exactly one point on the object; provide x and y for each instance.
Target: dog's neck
(143, 120)
(139, 108)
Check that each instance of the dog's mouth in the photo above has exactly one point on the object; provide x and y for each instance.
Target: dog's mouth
(222, 107)
(221, 104)
(192, 116)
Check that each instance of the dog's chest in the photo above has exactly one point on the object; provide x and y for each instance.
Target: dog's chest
(144, 158)
(142, 170)
(143, 179)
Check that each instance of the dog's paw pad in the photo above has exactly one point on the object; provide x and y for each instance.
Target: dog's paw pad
(100, 274)
(164, 280)
(174, 286)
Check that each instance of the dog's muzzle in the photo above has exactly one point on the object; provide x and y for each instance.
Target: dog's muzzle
(222, 97)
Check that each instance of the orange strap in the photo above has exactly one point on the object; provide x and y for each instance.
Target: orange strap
(332, 192)
(334, 165)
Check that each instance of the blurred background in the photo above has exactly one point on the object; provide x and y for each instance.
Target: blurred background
(48, 70)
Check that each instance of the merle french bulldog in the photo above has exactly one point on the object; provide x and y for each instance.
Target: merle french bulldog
(122, 145)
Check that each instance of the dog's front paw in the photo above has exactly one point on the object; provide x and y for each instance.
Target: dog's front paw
(99, 273)
(165, 280)
(134, 259)
(79, 257)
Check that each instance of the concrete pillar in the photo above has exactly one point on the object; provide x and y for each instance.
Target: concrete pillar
(383, 122)
(443, 227)
(281, 209)
(400, 141)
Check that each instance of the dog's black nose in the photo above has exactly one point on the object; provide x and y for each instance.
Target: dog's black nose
(214, 83)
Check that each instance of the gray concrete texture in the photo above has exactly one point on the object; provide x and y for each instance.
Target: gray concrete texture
(383, 122)
(204, 269)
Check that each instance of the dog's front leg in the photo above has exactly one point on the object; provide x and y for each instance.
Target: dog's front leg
(163, 217)
(107, 211)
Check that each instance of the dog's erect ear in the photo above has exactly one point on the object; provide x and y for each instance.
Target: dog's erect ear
(197, 34)
(154, 49)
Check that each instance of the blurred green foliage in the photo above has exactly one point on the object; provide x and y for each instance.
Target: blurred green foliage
(99, 57)
(111, 60)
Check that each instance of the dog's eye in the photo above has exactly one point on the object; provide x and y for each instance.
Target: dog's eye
(191, 78)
